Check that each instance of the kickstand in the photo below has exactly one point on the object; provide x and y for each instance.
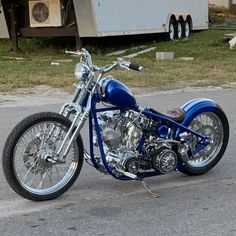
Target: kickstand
(156, 195)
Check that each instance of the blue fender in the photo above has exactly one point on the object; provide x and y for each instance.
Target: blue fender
(195, 107)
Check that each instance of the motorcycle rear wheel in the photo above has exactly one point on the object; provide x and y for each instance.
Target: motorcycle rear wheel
(214, 125)
(25, 157)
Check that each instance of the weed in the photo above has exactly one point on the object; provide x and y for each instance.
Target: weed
(213, 64)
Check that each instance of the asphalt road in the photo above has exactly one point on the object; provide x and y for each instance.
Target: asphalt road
(100, 205)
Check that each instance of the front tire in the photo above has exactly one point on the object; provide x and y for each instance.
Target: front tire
(214, 125)
(25, 157)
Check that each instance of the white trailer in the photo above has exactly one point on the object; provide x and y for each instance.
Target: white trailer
(3, 26)
(98, 18)
(112, 17)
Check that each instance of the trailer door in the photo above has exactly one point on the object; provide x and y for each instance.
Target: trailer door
(3, 26)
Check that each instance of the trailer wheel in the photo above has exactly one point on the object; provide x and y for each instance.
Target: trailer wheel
(172, 30)
(180, 29)
(187, 29)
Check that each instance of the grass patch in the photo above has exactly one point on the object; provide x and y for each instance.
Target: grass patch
(214, 64)
(221, 10)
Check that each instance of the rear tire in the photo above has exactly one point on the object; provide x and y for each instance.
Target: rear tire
(25, 166)
(215, 125)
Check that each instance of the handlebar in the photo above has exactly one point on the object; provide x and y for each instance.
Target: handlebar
(84, 53)
(135, 67)
(120, 62)
(128, 65)
(77, 53)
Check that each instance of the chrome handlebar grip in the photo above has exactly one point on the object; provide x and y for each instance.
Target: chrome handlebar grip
(77, 53)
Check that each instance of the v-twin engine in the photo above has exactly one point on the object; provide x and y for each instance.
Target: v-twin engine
(121, 134)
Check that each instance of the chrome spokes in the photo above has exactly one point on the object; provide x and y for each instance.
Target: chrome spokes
(210, 125)
(32, 155)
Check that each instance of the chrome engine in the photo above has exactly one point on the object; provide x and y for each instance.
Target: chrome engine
(121, 134)
(165, 161)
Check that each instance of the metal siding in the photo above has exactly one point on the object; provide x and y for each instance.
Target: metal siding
(136, 16)
(85, 18)
(3, 26)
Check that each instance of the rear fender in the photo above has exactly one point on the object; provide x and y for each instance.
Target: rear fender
(195, 107)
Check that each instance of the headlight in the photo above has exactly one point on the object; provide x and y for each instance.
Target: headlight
(82, 71)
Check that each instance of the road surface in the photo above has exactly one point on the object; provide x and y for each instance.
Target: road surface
(100, 205)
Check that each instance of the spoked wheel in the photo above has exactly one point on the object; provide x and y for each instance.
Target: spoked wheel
(215, 126)
(29, 157)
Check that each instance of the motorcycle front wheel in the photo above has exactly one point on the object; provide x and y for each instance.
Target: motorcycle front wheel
(27, 154)
(215, 126)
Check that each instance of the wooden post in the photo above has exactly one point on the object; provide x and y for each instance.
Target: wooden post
(78, 43)
(13, 29)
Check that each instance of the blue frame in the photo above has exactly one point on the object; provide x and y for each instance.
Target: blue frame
(191, 108)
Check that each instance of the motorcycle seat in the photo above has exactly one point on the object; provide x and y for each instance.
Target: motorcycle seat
(175, 114)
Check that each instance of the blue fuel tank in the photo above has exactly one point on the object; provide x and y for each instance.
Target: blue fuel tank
(117, 94)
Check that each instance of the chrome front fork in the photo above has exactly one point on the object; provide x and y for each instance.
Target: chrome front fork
(73, 132)
(81, 115)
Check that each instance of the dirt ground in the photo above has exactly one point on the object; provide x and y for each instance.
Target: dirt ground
(43, 94)
(39, 95)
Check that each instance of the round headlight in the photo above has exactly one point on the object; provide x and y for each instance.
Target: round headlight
(82, 71)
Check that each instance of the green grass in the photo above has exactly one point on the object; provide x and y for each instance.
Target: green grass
(214, 64)
(221, 10)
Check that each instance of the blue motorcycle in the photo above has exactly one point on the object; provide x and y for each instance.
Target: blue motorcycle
(44, 153)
